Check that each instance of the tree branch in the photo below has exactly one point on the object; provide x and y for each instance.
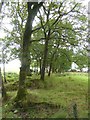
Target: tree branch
(37, 40)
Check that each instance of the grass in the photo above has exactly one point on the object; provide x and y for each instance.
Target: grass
(58, 90)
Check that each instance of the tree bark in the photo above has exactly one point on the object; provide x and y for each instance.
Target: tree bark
(40, 62)
(50, 67)
(4, 73)
(51, 61)
(3, 61)
(2, 88)
(44, 60)
(4, 95)
(32, 12)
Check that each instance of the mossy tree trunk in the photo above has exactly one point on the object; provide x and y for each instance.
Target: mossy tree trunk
(33, 8)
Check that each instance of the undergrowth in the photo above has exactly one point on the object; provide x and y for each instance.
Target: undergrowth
(53, 98)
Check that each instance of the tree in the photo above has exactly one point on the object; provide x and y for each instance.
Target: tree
(15, 34)
(32, 12)
(4, 94)
(55, 19)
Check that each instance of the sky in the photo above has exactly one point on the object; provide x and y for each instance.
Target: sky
(14, 65)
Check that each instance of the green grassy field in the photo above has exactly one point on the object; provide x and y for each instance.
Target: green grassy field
(52, 99)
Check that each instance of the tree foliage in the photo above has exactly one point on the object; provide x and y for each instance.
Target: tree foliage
(48, 35)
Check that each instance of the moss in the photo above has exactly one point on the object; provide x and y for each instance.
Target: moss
(22, 92)
(25, 101)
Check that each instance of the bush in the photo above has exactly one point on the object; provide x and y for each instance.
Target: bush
(11, 76)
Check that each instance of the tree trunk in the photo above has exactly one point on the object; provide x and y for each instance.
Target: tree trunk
(3, 61)
(25, 58)
(50, 67)
(32, 12)
(4, 74)
(40, 62)
(44, 60)
(37, 66)
(2, 88)
(51, 62)
(4, 95)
